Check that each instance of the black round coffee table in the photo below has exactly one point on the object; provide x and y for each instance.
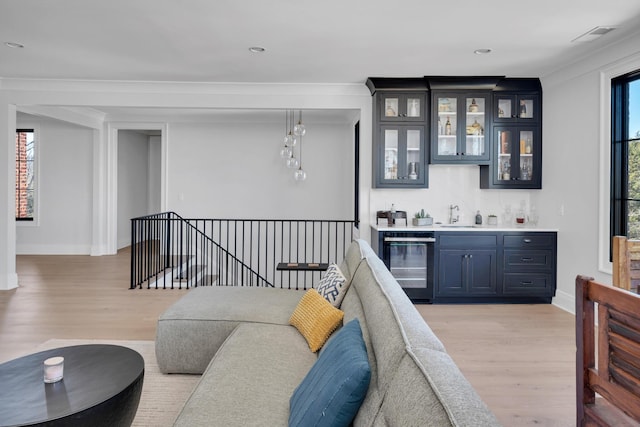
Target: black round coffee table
(101, 387)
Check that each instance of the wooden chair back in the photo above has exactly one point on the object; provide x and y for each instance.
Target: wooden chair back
(626, 263)
(616, 376)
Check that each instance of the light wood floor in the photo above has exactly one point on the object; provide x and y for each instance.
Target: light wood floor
(520, 358)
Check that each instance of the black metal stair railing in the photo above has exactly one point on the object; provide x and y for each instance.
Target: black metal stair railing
(169, 251)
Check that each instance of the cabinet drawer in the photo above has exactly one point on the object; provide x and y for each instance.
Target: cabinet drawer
(530, 240)
(527, 284)
(460, 241)
(528, 260)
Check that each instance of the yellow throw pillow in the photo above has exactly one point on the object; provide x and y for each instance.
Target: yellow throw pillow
(316, 319)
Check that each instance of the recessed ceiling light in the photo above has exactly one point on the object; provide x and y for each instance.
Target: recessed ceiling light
(14, 45)
(256, 49)
(482, 51)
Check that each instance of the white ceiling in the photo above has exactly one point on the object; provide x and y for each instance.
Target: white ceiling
(306, 41)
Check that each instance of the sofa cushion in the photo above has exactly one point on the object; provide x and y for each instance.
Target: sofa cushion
(333, 285)
(333, 390)
(356, 252)
(390, 323)
(440, 394)
(316, 319)
(250, 379)
(190, 331)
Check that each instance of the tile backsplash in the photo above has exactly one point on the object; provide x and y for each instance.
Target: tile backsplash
(450, 185)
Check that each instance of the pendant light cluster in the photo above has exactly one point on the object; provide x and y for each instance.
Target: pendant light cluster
(293, 135)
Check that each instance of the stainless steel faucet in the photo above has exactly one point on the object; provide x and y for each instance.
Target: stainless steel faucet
(452, 219)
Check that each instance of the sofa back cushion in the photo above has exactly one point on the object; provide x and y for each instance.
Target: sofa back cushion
(439, 394)
(392, 329)
(356, 252)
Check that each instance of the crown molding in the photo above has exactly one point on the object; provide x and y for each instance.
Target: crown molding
(82, 116)
(21, 84)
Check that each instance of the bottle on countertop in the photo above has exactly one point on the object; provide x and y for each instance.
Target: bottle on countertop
(478, 218)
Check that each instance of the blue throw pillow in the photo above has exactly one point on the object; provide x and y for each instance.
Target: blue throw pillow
(333, 390)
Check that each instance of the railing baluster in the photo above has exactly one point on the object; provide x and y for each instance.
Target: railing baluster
(232, 252)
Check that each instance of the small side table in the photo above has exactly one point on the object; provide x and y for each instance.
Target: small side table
(302, 266)
(101, 386)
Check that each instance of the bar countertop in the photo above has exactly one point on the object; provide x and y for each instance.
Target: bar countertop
(462, 227)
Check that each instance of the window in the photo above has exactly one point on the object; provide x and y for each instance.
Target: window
(25, 176)
(625, 155)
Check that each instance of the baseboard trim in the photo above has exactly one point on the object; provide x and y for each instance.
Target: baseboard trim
(565, 301)
(53, 250)
(12, 282)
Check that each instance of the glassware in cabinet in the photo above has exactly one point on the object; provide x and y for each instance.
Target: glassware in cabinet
(447, 126)
(517, 159)
(516, 108)
(460, 121)
(390, 154)
(476, 123)
(402, 107)
(402, 157)
(527, 168)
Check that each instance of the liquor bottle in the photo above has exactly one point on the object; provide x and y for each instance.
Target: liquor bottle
(523, 109)
(478, 218)
(473, 107)
(447, 127)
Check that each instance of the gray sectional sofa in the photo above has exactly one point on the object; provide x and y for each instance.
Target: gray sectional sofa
(252, 360)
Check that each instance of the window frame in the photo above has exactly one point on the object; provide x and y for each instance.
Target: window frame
(606, 74)
(35, 220)
(620, 140)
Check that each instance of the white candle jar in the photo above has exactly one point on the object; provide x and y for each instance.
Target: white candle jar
(53, 369)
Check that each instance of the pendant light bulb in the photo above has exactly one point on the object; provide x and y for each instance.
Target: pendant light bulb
(293, 163)
(300, 175)
(290, 140)
(286, 152)
(299, 129)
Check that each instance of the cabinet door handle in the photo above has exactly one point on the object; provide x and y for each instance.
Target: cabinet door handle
(526, 240)
(527, 283)
(526, 259)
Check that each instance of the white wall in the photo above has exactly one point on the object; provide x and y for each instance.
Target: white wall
(64, 190)
(575, 163)
(233, 170)
(450, 185)
(68, 99)
(133, 181)
(154, 175)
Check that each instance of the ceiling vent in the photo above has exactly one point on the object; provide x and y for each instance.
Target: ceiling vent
(593, 34)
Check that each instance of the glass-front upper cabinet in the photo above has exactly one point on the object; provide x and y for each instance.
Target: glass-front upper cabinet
(460, 121)
(402, 107)
(402, 157)
(517, 158)
(516, 108)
